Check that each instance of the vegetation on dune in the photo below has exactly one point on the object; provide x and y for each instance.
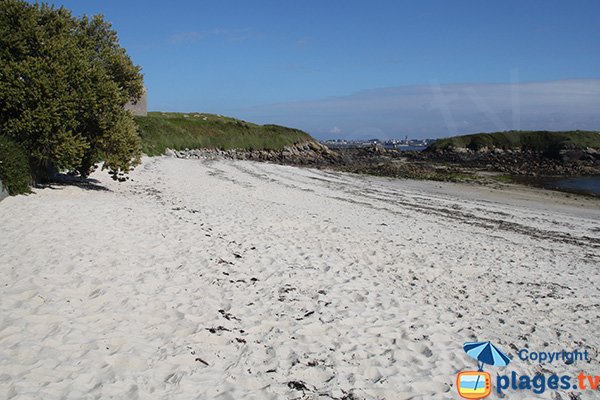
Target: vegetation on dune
(538, 141)
(160, 131)
(14, 169)
(63, 84)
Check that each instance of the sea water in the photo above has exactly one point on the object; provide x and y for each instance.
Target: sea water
(589, 185)
(581, 184)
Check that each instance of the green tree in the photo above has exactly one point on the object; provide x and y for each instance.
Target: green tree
(14, 170)
(63, 84)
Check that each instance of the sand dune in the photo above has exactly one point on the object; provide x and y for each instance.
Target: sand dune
(241, 280)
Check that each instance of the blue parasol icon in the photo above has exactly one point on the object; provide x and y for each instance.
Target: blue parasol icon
(486, 353)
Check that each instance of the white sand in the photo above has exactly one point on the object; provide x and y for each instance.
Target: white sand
(273, 274)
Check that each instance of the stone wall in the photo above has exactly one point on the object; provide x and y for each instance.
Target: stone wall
(141, 107)
(3, 191)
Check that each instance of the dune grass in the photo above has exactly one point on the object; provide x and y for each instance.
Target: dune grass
(538, 141)
(179, 131)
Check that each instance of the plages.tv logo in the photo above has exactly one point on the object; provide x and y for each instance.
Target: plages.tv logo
(478, 384)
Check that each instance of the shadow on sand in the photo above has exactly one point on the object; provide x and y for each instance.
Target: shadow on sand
(60, 180)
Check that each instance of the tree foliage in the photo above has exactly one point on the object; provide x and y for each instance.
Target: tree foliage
(14, 170)
(63, 84)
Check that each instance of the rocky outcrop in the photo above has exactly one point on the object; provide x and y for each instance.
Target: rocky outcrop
(438, 165)
(307, 153)
(519, 162)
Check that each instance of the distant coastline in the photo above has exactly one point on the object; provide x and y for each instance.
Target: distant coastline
(531, 158)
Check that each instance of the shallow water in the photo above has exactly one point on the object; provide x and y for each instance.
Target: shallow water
(581, 184)
(589, 184)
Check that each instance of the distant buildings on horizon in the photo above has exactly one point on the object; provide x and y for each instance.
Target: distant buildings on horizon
(388, 144)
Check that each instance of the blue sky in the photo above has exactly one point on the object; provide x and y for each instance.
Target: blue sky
(290, 62)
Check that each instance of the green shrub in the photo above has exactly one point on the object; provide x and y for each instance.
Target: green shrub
(64, 81)
(14, 168)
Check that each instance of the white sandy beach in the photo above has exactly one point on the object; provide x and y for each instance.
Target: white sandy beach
(281, 278)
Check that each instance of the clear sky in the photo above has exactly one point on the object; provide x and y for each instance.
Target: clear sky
(353, 68)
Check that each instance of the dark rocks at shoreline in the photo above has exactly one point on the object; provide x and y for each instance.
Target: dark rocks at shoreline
(454, 164)
(308, 153)
(372, 161)
(379, 161)
(517, 162)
